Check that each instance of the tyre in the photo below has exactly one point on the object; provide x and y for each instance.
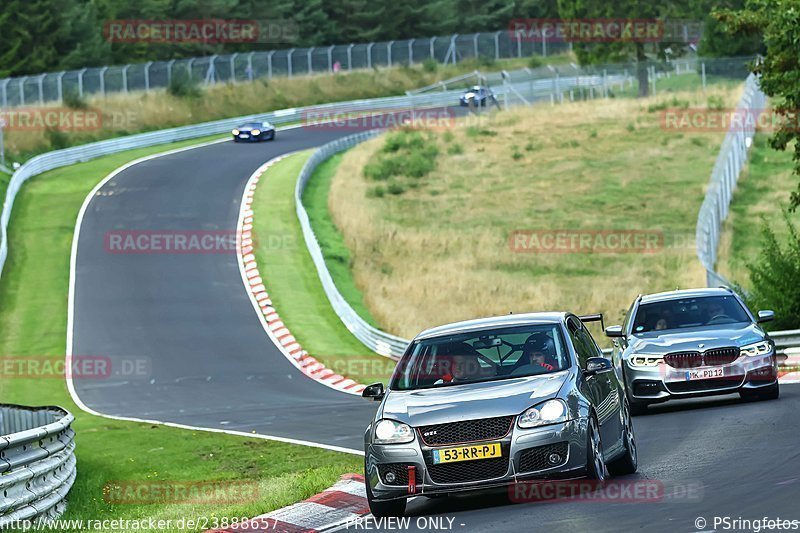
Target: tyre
(384, 509)
(235, 140)
(773, 392)
(595, 461)
(637, 408)
(629, 462)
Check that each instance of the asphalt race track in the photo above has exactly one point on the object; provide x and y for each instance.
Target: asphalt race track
(212, 365)
(187, 317)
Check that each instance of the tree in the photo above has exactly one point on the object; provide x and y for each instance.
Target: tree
(775, 276)
(779, 69)
(589, 53)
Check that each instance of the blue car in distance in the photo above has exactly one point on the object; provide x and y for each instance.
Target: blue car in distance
(254, 132)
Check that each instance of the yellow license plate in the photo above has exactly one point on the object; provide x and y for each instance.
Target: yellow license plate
(467, 453)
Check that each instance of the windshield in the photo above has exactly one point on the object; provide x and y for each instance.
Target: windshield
(485, 355)
(255, 125)
(688, 313)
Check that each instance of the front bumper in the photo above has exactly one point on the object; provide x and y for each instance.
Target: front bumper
(567, 439)
(660, 383)
(263, 136)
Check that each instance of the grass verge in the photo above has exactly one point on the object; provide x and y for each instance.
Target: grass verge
(293, 284)
(763, 187)
(33, 314)
(439, 247)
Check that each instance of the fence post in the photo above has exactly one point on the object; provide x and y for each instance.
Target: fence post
(411, 51)
(169, 71)
(544, 45)
(41, 88)
(80, 81)
(60, 85)
(147, 76)
(289, 61)
(250, 66)
(269, 64)
(519, 45)
(330, 57)
(369, 54)
(22, 90)
(233, 66)
(389, 52)
(308, 56)
(703, 73)
(350, 56)
(189, 66)
(497, 45)
(5, 91)
(453, 47)
(125, 78)
(475, 44)
(433, 52)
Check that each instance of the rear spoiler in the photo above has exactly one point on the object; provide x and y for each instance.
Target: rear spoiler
(594, 318)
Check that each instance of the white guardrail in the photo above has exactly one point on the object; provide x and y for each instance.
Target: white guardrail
(37, 462)
(727, 168)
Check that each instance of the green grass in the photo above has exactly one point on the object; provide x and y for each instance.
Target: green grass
(337, 255)
(691, 81)
(33, 314)
(4, 179)
(763, 188)
(292, 281)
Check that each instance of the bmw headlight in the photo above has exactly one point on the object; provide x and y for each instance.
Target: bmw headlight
(549, 412)
(393, 432)
(235, 132)
(256, 132)
(757, 348)
(645, 360)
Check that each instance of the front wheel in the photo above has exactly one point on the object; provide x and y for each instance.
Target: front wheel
(629, 462)
(595, 461)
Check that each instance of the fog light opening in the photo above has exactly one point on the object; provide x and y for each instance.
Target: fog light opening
(554, 459)
(390, 477)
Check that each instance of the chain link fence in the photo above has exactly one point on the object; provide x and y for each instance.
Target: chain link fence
(52, 87)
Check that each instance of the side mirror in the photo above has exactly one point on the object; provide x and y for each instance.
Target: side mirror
(766, 316)
(614, 331)
(374, 391)
(598, 365)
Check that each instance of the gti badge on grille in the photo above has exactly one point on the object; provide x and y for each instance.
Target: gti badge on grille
(429, 433)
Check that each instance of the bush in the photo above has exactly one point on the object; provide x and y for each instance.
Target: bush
(404, 154)
(182, 86)
(73, 100)
(775, 277)
(430, 65)
(455, 149)
(715, 102)
(535, 61)
(57, 139)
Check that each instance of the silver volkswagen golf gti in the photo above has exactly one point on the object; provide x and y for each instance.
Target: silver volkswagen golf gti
(493, 402)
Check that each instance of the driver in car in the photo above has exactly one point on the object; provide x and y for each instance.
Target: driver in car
(540, 353)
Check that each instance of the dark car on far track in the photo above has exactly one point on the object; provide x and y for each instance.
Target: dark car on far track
(690, 343)
(254, 132)
(496, 402)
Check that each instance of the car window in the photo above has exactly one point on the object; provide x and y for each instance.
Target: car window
(689, 312)
(483, 355)
(583, 343)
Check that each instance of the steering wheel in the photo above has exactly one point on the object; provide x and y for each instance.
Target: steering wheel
(720, 319)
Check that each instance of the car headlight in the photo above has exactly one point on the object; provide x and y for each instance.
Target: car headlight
(757, 348)
(256, 132)
(645, 359)
(549, 412)
(235, 132)
(392, 432)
